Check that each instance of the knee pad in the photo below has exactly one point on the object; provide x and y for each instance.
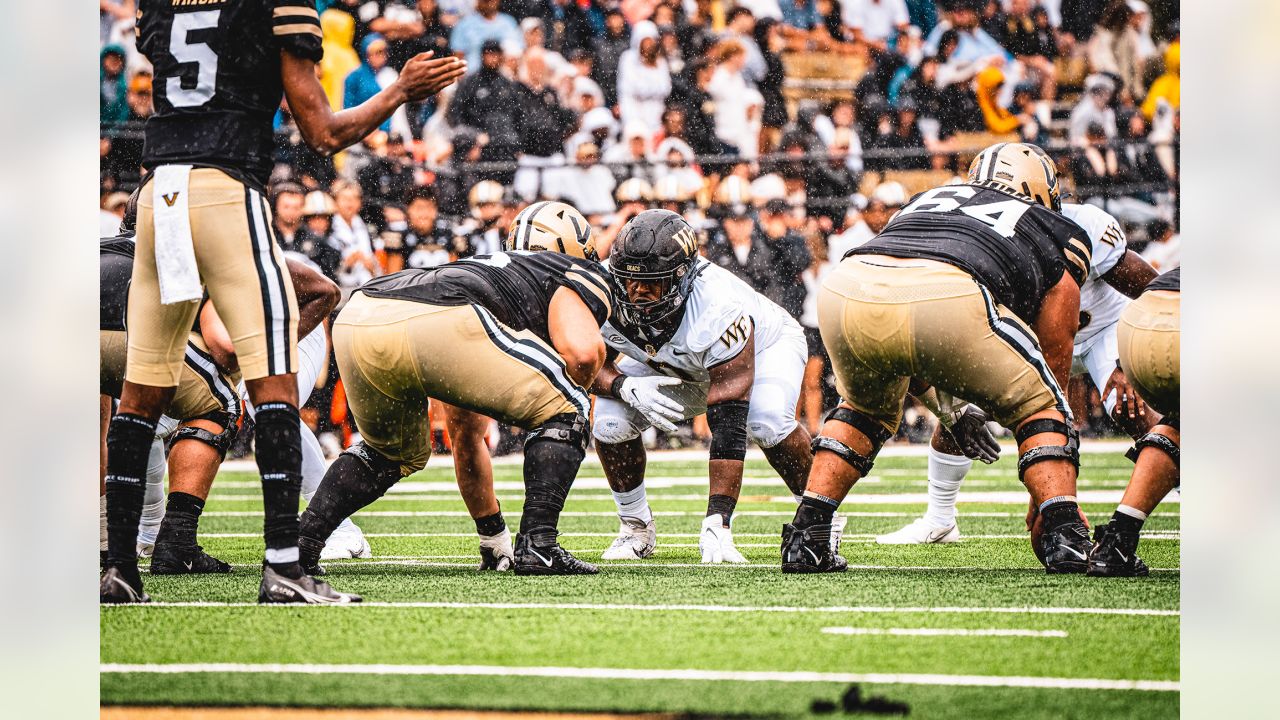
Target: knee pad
(387, 472)
(1161, 442)
(1069, 452)
(614, 430)
(873, 430)
(568, 428)
(218, 441)
(278, 447)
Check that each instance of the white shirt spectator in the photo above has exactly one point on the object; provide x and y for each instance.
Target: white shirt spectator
(352, 239)
(855, 235)
(642, 89)
(734, 101)
(1164, 256)
(878, 20)
(108, 224)
(763, 8)
(589, 189)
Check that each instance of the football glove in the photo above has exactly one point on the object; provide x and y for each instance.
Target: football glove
(645, 395)
(969, 429)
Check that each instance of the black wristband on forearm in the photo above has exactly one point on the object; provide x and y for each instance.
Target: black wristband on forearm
(615, 387)
(728, 423)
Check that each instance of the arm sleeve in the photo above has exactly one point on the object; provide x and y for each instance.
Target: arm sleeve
(295, 25)
(593, 290)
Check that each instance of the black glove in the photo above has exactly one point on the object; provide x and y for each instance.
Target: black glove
(970, 432)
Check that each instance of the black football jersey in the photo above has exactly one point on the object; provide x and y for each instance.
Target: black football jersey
(1171, 280)
(1016, 248)
(115, 266)
(516, 286)
(217, 79)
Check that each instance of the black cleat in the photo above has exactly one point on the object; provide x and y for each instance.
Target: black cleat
(1114, 554)
(120, 586)
(549, 559)
(192, 560)
(278, 589)
(809, 550)
(1066, 548)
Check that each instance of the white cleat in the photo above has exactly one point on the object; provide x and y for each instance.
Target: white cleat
(347, 541)
(636, 541)
(837, 531)
(496, 552)
(920, 532)
(715, 542)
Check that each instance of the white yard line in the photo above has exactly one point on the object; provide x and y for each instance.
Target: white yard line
(946, 632)
(622, 607)
(685, 674)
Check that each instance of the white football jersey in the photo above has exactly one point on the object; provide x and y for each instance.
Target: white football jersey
(1100, 304)
(719, 314)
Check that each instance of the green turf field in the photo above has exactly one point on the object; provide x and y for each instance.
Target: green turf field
(974, 629)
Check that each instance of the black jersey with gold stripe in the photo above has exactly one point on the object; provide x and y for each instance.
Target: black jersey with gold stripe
(1016, 248)
(516, 286)
(217, 80)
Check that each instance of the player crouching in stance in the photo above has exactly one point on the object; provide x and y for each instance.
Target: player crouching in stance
(1149, 335)
(513, 335)
(945, 295)
(693, 338)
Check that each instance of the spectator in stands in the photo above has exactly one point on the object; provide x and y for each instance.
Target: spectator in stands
(829, 186)
(113, 86)
(1094, 164)
(389, 174)
(474, 31)
(111, 213)
(1167, 87)
(799, 14)
(884, 203)
(426, 241)
(975, 49)
(695, 103)
(669, 46)
(489, 102)
(399, 23)
(353, 239)
(1016, 30)
(597, 127)
(1094, 108)
(1164, 251)
(545, 124)
(286, 216)
(644, 81)
(740, 25)
(340, 57)
(430, 34)
(1113, 49)
(630, 158)
(111, 12)
(1137, 158)
(736, 246)
(371, 77)
(567, 22)
(609, 48)
(676, 161)
(316, 241)
(535, 38)
(1079, 18)
(773, 117)
(874, 22)
(587, 185)
(1027, 107)
(840, 114)
(732, 98)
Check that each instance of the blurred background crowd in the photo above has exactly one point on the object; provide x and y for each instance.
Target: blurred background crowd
(785, 131)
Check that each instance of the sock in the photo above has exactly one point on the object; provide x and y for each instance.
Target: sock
(815, 510)
(351, 483)
(1128, 519)
(102, 523)
(278, 448)
(946, 472)
(549, 469)
(634, 504)
(491, 525)
(128, 445)
(153, 499)
(723, 506)
(1059, 511)
(181, 517)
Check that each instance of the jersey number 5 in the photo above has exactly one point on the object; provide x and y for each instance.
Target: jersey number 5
(1002, 216)
(201, 54)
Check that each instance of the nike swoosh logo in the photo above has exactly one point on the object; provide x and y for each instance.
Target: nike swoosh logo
(812, 554)
(545, 561)
(1075, 552)
(188, 565)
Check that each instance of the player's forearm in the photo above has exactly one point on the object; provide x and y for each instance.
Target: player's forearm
(323, 129)
(350, 126)
(604, 380)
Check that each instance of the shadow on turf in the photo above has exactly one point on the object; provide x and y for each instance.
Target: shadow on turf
(850, 703)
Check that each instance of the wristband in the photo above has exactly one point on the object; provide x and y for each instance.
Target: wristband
(615, 387)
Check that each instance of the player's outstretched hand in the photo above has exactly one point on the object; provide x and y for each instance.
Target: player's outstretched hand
(425, 75)
(645, 395)
(1128, 402)
(971, 434)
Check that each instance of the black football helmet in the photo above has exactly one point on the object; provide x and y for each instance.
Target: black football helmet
(655, 246)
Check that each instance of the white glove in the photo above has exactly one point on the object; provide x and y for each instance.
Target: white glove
(644, 394)
(715, 542)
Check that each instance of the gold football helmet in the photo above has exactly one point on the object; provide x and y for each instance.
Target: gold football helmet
(555, 226)
(1021, 168)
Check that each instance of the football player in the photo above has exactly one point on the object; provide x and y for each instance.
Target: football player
(220, 73)
(1117, 275)
(689, 338)
(205, 410)
(1149, 335)
(514, 335)
(973, 289)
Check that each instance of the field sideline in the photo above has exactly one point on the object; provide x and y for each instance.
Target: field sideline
(974, 629)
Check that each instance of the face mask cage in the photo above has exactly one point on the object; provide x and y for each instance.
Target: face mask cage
(650, 312)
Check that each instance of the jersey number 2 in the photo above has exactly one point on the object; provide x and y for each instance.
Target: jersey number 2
(1002, 216)
(201, 54)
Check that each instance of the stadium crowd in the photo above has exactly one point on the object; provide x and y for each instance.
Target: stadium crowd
(786, 131)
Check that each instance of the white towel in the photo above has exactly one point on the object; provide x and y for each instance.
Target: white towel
(175, 255)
